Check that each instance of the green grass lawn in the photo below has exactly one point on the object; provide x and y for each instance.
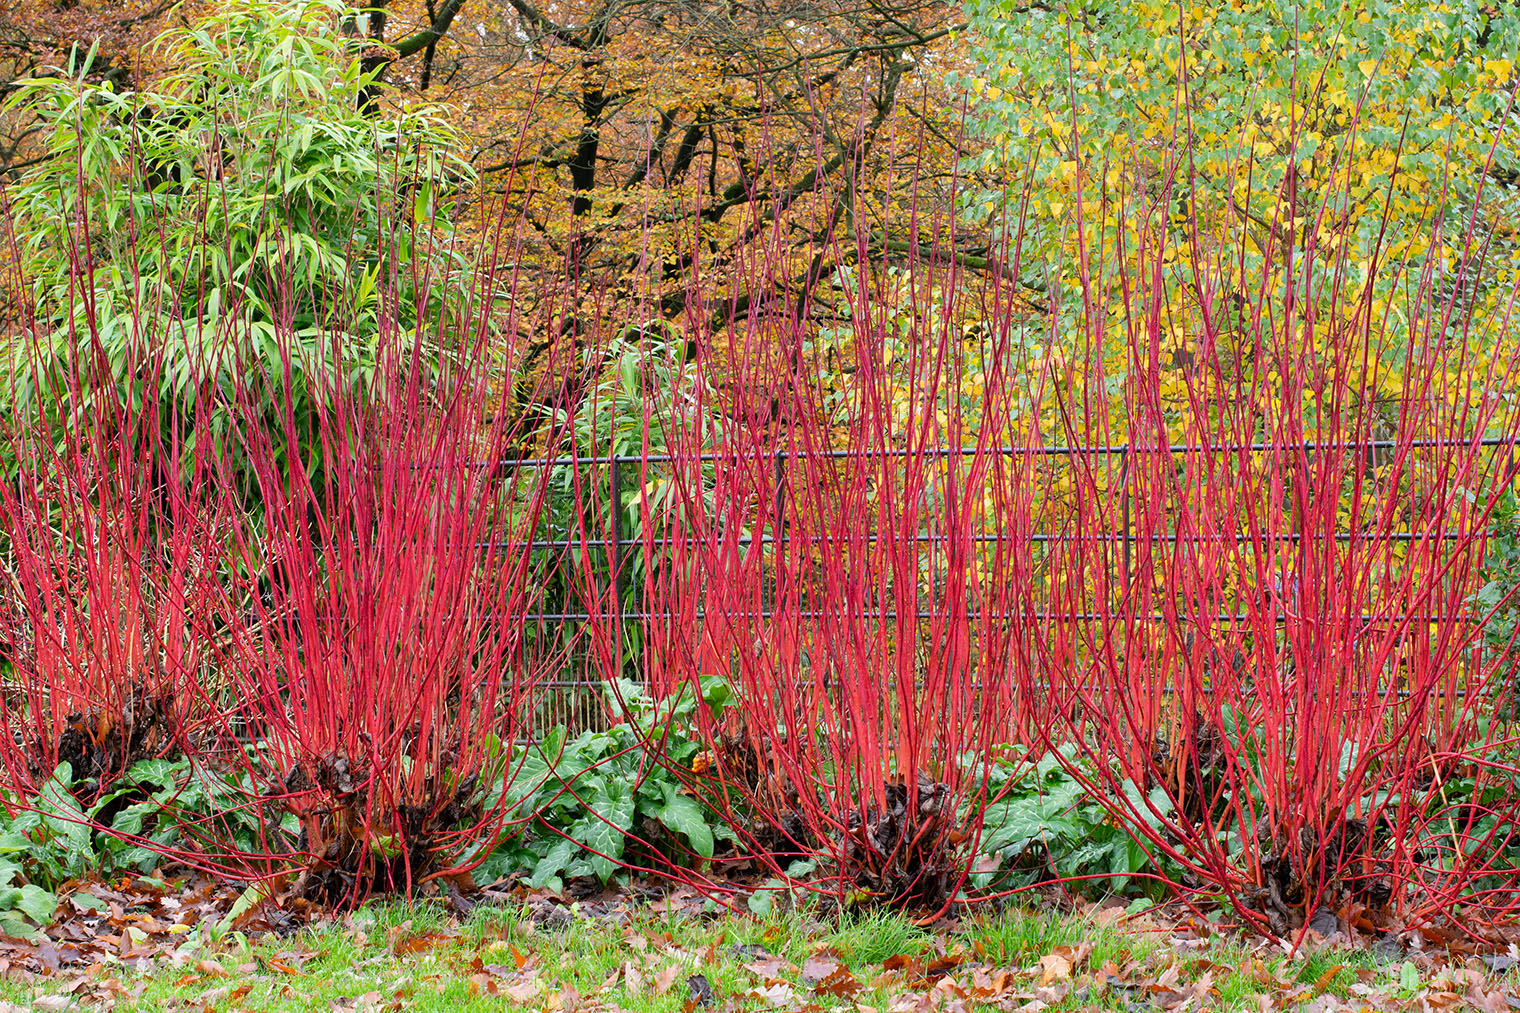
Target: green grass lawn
(394, 957)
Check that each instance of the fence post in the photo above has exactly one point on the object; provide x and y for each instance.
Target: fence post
(615, 503)
(1124, 500)
(776, 478)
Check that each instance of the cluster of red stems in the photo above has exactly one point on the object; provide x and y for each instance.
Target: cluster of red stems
(1250, 633)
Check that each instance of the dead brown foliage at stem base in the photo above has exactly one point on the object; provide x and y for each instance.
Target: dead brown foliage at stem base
(355, 849)
(1319, 871)
(901, 850)
(101, 744)
(1298, 874)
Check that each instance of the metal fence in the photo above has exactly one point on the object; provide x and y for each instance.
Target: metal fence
(575, 699)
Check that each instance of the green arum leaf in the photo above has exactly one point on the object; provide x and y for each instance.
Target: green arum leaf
(246, 901)
(89, 902)
(61, 814)
(1013, 824)
(37, 904)
(605, 833)
(1153, 807)
(762, 901)
(130, 820)
(387, 846)
(14, 923)
(553, 863)
(159, 773)
(683, 815)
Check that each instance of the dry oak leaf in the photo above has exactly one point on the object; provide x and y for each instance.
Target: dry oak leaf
(666, 978)
(841, 983)
(777, 995)
(818, 967)
(1061, 962)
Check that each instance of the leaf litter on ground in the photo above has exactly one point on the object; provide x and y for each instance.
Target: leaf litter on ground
(113, 942)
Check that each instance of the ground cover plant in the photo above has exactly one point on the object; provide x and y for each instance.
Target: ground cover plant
(604, 802)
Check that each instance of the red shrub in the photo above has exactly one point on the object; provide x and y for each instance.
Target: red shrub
(1236, 595)
(853, 558)
(112, 530)
(382, 664)
(1285, 681)
(320, 602)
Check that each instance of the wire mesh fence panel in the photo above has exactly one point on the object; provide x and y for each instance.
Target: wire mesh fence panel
(615, 597)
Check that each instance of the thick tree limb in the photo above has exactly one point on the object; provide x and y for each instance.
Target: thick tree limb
(418, 41)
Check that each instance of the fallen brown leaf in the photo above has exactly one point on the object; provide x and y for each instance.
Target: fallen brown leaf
(701, 992)
(840, 983)
(211, 969)
(1466, 978)
(767, 968)
(1054, 967)
(524, 990)
(1324, 980)
(666, 978)
(818, 967)
(944, 965)
(778, 994)
(989, 984)
(1053, 994)
(1440, 1000)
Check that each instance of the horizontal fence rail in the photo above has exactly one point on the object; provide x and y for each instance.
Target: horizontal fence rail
(1095, 450)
